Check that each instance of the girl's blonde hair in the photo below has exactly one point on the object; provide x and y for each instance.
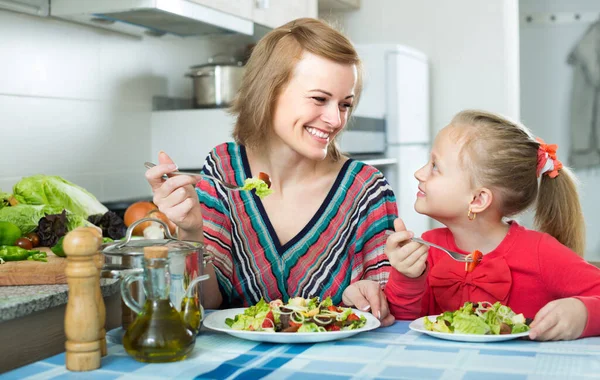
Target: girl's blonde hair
(503, 155)
(270, 69)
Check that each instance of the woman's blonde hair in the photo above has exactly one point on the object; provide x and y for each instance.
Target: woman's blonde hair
(270, 69)
(503, 155)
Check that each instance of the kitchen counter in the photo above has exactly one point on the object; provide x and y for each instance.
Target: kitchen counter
(19, 301)
(32, 320)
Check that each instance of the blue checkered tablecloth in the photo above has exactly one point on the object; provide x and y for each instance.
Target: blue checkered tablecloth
(394, 352)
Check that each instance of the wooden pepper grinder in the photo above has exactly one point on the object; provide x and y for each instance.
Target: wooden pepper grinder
(82, 317)
(99, 261)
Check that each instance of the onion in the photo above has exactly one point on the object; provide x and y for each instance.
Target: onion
(137, 211)
(160, 215)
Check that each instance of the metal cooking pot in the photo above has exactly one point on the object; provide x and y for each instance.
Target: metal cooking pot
(215, 84)
(187, 260)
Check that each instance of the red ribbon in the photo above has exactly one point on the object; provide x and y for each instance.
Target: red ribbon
(550, 150)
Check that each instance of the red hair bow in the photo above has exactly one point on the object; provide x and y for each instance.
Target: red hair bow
(546, 151)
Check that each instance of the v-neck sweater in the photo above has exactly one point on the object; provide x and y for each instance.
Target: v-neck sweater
(342, 243)
(527, 270)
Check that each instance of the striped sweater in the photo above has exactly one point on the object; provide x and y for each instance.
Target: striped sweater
(342, 243)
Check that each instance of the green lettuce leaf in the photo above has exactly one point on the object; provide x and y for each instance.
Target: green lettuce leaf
(262, 190)
(59, 193)
(308, 327)
(26, 217)
(470, 324)
(519, 328)
(4, 199)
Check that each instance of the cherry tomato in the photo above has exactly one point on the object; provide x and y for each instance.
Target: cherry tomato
(24, 243)
(266, 178)
(34, 238)
(476, 256)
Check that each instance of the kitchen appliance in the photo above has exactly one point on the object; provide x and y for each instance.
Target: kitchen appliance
(152, 17)
(215, 83)
(396, 92)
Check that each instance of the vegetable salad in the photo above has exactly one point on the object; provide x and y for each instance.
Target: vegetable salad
(298, 315)
(479, 318)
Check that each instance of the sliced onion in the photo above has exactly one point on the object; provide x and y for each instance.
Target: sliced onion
(297, 317)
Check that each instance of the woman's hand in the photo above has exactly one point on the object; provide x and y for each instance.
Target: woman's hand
(562, 319)
(408, 258)
(365, 295)
(176, 197)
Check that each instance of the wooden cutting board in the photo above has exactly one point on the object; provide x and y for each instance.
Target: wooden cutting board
(34, 272)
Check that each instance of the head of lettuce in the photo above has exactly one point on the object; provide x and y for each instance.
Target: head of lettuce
(57, 192)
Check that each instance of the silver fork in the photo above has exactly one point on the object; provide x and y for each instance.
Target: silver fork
(455, 255)
(227, 185)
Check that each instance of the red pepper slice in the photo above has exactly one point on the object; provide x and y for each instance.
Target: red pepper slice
(476, 256)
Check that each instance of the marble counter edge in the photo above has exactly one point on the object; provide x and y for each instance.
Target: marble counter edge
(20, 301)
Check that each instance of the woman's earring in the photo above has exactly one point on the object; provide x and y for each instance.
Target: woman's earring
(471, 215)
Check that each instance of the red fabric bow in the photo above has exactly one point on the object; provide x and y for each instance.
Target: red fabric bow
(490, 281)
(542, 158)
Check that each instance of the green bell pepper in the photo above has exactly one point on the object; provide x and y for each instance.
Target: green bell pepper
(14, 253)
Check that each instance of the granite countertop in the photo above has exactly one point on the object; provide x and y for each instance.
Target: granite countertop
(19, 301)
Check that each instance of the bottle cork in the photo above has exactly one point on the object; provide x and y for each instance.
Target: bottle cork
(82, 315)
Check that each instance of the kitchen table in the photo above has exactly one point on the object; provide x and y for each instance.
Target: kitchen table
(393, 352)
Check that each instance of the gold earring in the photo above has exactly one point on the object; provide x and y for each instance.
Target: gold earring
(471, 215)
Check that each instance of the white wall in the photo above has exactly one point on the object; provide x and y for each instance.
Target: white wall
(75, 101)
(545, 93)
(472, 46)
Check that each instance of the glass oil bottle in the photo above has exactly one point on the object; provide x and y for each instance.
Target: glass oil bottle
(159, 333)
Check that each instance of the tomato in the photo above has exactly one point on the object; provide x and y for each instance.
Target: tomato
(35, 239)
(266, 178)
(24, 243)
(353, 317)
(476, 256)
(332, 327)
(269, 321)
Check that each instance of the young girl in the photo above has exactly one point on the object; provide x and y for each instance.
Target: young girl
(484, 168)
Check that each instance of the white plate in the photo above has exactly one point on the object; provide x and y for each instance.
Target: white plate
(418, 326)
(216, 321)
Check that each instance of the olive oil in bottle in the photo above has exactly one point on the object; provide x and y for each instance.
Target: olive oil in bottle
(159, 333)
(190, 312)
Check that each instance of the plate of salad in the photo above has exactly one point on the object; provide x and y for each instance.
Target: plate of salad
(300, 320)
(474, 322)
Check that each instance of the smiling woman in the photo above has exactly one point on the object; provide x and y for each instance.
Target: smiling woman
(321, 233)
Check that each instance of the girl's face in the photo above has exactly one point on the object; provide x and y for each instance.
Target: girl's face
(314, 106)
(445, 190)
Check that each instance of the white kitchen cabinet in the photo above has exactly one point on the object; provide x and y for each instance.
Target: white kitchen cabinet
(33, 7)
(274, 13)
(338, 5)
(240, 8)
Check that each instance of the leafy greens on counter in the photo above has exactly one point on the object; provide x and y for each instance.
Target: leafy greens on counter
(57, 192)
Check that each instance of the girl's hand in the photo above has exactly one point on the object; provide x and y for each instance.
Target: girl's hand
(408, 258)
(365, 295)
(176, 196)
(562, 319)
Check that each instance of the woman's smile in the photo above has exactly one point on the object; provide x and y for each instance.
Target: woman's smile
(318, 134)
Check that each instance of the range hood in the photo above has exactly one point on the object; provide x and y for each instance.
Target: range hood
(152, 17)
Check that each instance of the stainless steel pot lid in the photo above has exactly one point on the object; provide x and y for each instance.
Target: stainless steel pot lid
(135, 247)
(132, 246)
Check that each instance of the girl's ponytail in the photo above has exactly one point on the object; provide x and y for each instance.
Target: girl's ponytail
(558, 211)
